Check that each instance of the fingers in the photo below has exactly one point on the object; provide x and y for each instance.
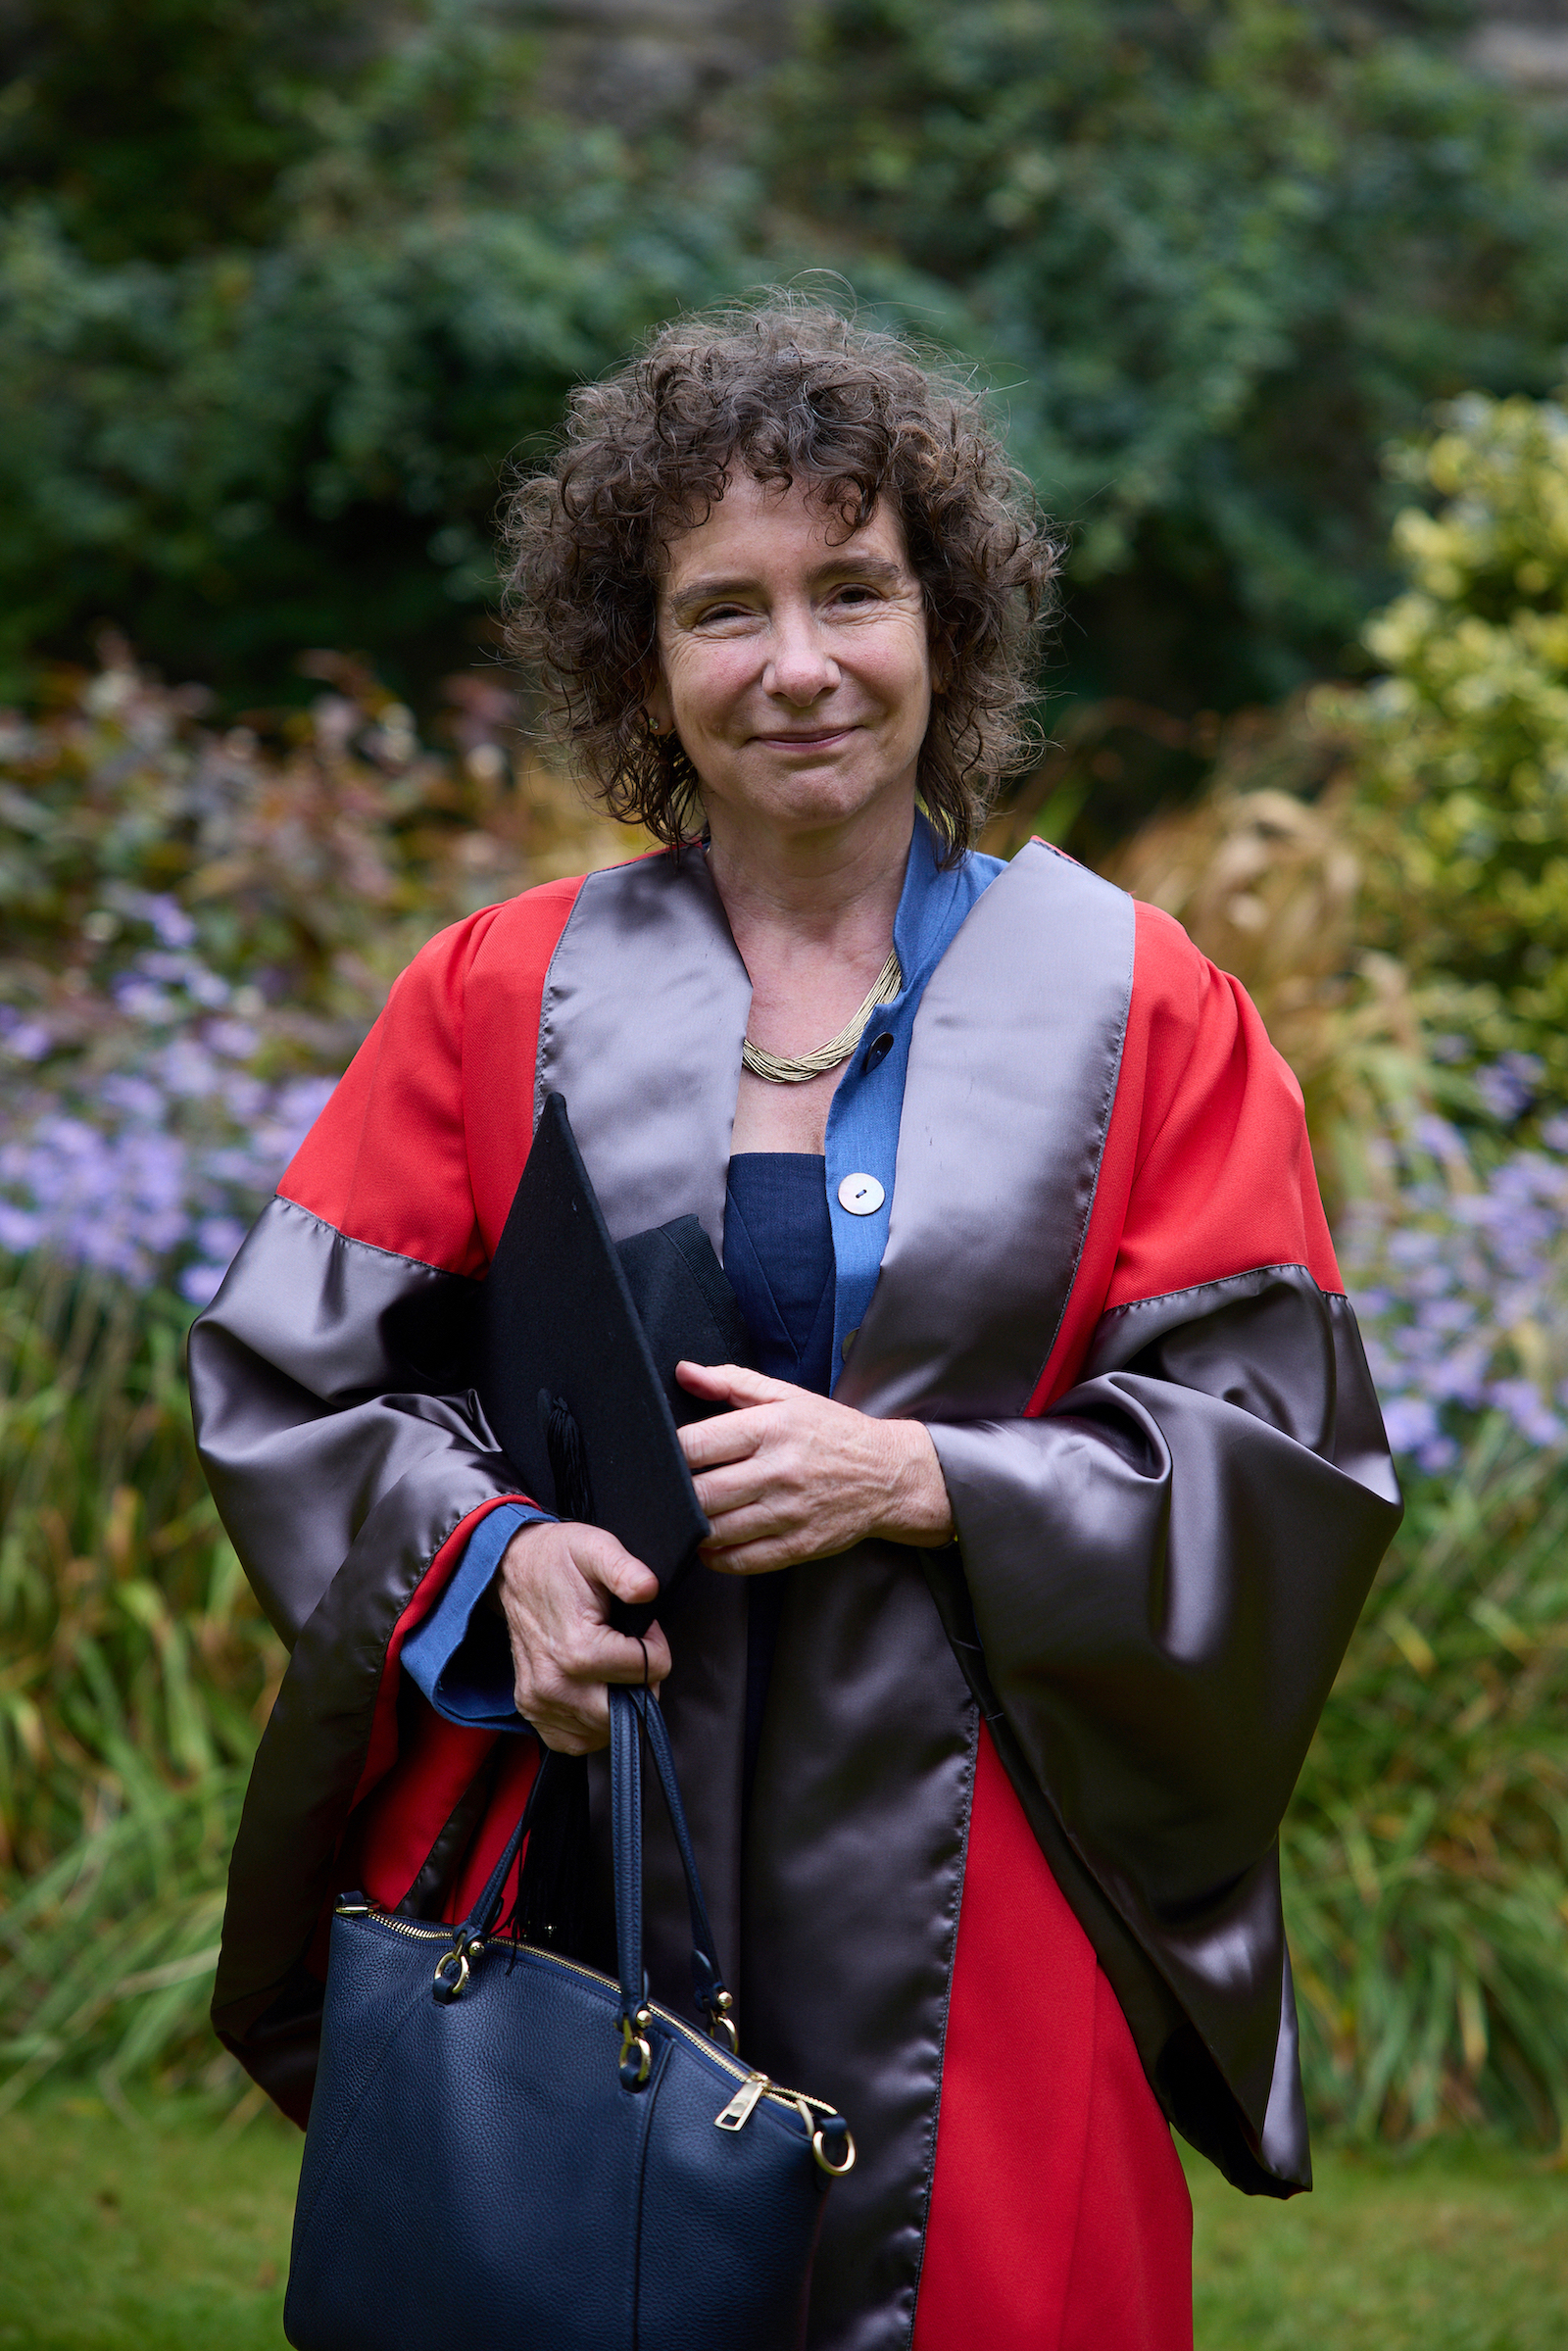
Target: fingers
(732, 1384)
(735, 1436)
(608, 1564)
(572, 1716)
(556, 1582)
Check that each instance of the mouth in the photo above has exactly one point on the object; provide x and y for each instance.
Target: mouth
(820, 738)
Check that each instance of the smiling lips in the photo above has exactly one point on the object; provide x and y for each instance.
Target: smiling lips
(811, 742)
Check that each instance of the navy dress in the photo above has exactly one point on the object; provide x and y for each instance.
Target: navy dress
(778, 1255)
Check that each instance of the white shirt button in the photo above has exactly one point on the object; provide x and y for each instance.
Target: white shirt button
(862, 1195)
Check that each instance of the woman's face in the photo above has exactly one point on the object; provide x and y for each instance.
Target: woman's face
(794, 659)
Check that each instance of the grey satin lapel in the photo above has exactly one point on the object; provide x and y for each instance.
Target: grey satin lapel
(1013, 1072)
(644, 1013)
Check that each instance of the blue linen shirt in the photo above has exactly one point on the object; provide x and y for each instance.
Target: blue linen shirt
(459, 1655)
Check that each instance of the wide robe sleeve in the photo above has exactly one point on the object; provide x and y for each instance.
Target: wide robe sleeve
(349, 1459)
(1163, 1559)
(329, 1377)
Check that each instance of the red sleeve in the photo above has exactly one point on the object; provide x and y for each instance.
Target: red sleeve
(420, 1146)
(1208, 1170)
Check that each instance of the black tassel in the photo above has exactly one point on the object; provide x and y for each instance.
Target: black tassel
(569, 1460)
(551, 1910)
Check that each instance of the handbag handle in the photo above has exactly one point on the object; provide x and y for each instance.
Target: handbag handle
(634, 1714)
(707, 1981)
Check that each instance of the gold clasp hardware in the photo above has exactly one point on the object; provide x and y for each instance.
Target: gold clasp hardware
(634, 2068)
(834, 2170)
(721, 2024)
(450, 1986)
(738, 2113)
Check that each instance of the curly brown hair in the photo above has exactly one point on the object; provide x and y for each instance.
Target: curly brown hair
(787, 390)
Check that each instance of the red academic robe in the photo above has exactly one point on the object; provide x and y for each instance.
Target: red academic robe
(1062, 1747)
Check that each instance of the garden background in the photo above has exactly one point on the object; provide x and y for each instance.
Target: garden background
(1273, 295)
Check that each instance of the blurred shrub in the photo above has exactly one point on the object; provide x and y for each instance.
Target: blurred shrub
(200, 927)
(267, 343)
(162, 127)
(1269, 884)
(1221, 252)
(1381, 866)
(1386, 866)
(107, 1957)
(135, 1673)
(1459, 753)
(282, 287)
(1426, 1853)
(133, 1650)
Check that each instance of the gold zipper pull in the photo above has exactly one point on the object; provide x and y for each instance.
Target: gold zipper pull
(738, 2112)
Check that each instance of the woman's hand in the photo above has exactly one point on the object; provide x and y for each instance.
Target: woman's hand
(788, 1476)
(556, 1583)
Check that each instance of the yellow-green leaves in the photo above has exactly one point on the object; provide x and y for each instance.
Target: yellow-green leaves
(1460, 753)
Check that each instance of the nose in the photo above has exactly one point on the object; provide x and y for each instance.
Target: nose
(800, 667)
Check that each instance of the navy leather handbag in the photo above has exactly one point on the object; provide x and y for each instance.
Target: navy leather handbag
(506, 2146)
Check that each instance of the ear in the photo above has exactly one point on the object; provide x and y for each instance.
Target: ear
(656, 704)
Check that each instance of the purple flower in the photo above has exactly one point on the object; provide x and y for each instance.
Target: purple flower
(139, 1000)
(1462, 1289)
(137, 1097)
(20, 1230)
(1522, 1400)
(188, 1070)
(1508, 1086)
(169, 918)
(1410, 1421)
(236, 1039)
(28, 1040)
(199, 1284)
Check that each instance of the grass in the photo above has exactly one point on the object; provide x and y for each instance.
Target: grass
(1457, 2247)
(170, 2234)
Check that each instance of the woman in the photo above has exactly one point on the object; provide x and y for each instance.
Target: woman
(1037, 1534)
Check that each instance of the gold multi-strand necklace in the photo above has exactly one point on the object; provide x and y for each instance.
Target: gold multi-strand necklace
(796, 1069)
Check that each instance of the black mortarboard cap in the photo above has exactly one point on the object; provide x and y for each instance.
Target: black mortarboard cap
(581, 1338)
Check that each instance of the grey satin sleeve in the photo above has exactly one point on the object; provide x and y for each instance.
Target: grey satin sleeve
(1165, 1570)
(325, 1388)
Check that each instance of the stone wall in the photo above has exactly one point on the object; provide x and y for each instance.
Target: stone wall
(630, 62)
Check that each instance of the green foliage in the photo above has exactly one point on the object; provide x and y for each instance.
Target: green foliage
(107, 1957)
(161, 127)
(242, 446)
(283, 288)
(135, 1671)
(1222, 251)
(1427, 1850)
(134, 1655)
(1460, 754)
